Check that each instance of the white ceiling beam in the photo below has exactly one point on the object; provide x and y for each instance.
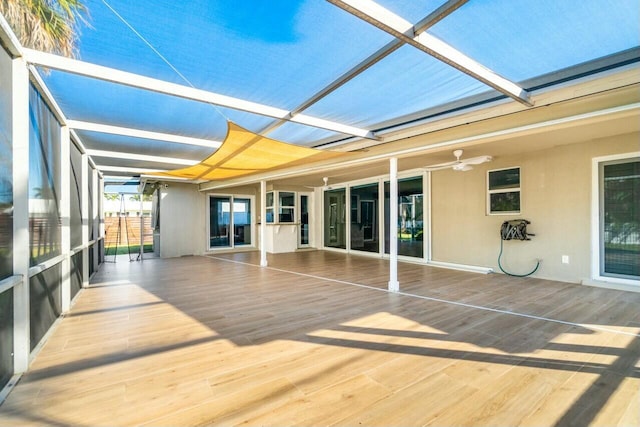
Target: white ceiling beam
(87, 69)
(141, 157)
(398, 27)
(137, 133)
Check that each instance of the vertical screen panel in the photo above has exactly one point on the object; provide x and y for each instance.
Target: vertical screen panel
(6, 337)
(90, 204)
(6, 168)
(45, 302)
(44, 180)
(92, 253)
(76, 273)
(75, 191)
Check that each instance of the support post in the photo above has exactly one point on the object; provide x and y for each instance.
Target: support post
(263, 223)
(20, 139)
(65, 216)
(141, 254)
(394, 285)
(94, 218)
(84, 170)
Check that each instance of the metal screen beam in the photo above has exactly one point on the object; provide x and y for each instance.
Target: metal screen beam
(398, 27)
(137, 133)
(142, 157)
(430, 20)
(87, 69)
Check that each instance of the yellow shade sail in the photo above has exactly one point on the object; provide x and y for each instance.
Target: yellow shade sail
(243, 153)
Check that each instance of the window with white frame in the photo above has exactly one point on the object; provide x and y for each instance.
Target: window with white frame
(286, 206)
(503, 191)
(269, 207)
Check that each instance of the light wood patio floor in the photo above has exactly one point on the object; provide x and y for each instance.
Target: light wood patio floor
(315, 340)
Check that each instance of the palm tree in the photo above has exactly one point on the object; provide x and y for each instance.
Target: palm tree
(46, 25)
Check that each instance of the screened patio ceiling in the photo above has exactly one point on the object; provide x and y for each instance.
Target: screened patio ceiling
(311, 72)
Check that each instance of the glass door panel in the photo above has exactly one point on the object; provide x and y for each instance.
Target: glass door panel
(304, 221)
(334, 218)
(620, 223)
(364, 218)
(219, 221)
(241, 222)
(410, 217)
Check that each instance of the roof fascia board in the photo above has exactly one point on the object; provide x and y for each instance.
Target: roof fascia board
(483, 106)
(393, 24)
(590, 85)
(142, 157)
(441, 12)
(629, 110)
(82, 68)
(138, 133)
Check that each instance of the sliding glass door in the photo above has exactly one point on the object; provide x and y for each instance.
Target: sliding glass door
(229, 215)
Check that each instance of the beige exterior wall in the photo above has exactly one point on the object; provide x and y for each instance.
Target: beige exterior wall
(555, 197)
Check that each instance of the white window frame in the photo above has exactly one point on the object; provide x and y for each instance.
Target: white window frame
(504, 190)
(270, 208)
(596, 236)
(281, 206)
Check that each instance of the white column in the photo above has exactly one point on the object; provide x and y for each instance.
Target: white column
(84, 170)
(394, 285)
(20, 138)
(94, 216)
(101, 216)
(141, 224)
(263, 223)
(65, 216)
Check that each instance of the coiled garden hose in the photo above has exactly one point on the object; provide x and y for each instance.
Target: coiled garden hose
(513, 274)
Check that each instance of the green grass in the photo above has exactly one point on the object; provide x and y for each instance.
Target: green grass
(123, 250)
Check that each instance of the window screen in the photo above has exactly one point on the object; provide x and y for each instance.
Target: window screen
(44, 180)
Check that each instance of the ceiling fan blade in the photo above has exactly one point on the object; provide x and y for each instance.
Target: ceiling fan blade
(439, 166)
(476, 160)
(462, 167)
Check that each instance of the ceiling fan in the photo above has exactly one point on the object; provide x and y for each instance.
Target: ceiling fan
(326, 186)
(460, 164)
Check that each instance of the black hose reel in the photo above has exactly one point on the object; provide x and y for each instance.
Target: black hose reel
(515, 229)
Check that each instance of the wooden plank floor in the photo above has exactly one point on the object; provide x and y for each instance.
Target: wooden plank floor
(315, 340)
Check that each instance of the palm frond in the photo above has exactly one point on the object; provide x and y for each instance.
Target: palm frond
(46, 25)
